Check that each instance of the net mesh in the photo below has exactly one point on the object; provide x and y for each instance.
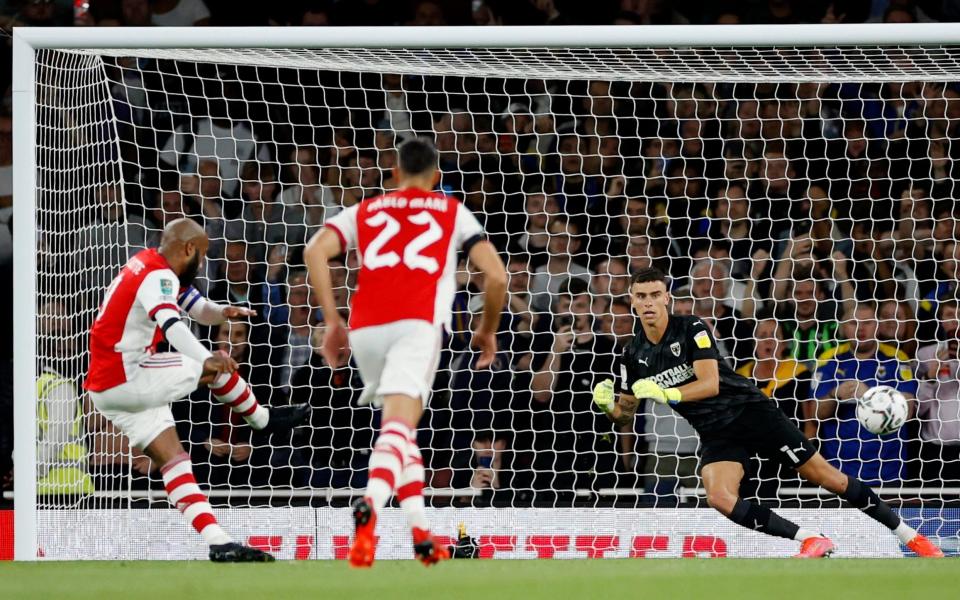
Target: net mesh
(783, 190)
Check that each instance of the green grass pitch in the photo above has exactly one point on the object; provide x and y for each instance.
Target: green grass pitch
(666, 579)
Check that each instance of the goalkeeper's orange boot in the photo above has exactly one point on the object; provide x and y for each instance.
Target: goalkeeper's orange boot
(924, 548)
(364, 545)
(817, 546)
(427, 549)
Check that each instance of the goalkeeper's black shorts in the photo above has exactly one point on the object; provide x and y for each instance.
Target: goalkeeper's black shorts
(761, 429)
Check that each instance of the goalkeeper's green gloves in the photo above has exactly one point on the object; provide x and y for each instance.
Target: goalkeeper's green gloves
(648, 388)
(603, 395)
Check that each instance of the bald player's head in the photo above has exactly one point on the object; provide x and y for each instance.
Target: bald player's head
(184, 244)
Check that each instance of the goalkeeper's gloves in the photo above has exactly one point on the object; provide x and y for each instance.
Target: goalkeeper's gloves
(603, 395)
(648, 388)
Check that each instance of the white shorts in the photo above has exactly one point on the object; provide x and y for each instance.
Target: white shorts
(397, 358)
(140, 408)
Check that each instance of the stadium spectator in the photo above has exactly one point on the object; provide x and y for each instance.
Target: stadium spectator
(611, 281)
(809, 320)
(236, 280)
(565, 364)
(136, 13)
(938, 402)
(897, 327)
(943, 286)
(341, 433)
(220, 439)
(781, 378)
(710, 286)
(112, 236)
(847, 372)
(263, 221)
(315, 16)
(518, 291)
(306, 202)
(61, 451)
(733, 220)
(229, 141)
(619, 321)
(179, 13)
(206, 188)
(535, 237)
(291, 343)
(562, 264)
(488, 452)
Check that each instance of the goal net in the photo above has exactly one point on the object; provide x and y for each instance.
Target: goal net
(801, 199)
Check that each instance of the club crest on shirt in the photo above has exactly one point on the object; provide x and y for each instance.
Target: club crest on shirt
(675, 348)
(702, 340)
(166, 287)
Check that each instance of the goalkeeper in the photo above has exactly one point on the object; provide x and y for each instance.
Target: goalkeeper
(673, 359)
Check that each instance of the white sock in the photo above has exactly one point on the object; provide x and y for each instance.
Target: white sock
(232, 390)
(905, 532)
(803, 534)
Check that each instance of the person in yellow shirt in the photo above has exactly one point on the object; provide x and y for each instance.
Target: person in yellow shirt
(781, 378)
(61, 452)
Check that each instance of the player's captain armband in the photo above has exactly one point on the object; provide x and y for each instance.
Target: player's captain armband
(702, 340)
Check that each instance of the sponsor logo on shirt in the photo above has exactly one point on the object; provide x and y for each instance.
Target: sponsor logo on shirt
(673, 376)
(166, 287)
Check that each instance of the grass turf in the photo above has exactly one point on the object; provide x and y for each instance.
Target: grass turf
(716, 579)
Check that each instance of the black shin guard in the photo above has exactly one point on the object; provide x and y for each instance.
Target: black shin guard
(864, 498)
(762, 519)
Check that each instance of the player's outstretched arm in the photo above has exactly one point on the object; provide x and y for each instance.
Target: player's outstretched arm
(207, 312)
(484, 256)
(322, 247)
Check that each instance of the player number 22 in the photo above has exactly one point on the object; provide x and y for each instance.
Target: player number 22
(374, 259)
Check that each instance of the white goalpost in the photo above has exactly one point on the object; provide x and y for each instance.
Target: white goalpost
(588, 152)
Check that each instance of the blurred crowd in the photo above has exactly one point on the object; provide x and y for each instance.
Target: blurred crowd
(813, 226)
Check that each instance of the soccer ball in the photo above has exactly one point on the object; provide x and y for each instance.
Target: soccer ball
(882, 410)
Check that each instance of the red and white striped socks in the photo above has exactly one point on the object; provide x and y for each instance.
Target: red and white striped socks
(233, 391)
(396, 464)
(386, 462)
(185, 494)
(410, 486)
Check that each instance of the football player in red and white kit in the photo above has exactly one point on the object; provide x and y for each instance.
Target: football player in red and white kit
(407, 242)
(133, 385)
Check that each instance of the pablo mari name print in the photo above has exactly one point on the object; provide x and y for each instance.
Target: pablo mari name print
(438, 204)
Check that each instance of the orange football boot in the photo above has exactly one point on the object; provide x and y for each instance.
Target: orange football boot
(427, 549)
(816, 547)
(924, 548)
(364, 545)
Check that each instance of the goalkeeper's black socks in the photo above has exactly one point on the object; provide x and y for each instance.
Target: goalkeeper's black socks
(864, 498)
(760, 518)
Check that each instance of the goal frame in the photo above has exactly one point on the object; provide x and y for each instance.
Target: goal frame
(26, 41)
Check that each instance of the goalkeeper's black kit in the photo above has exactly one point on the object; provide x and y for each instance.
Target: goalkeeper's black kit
(733, 425)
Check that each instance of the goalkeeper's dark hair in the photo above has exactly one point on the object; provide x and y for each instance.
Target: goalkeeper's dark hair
(648, 274)
(417, 156)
